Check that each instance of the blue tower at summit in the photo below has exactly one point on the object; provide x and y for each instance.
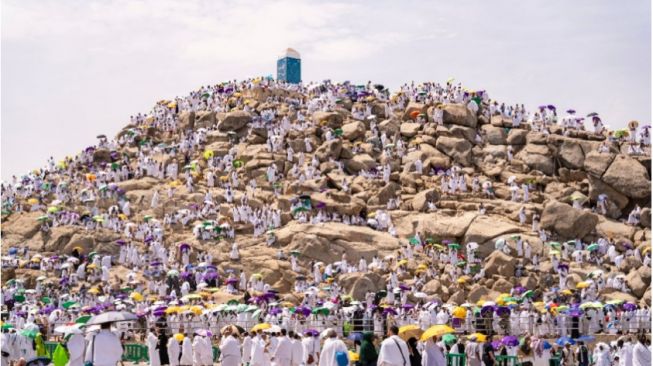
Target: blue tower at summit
(289, 67)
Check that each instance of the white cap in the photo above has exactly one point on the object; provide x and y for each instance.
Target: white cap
(290, 52)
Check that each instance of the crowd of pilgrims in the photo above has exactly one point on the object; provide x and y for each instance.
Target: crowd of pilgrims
(172, 273)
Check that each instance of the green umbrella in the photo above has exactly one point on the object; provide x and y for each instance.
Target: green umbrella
(295, 252)
(19, 298)
(413, 241)
(299, 209)
(31, 333)
(68, 304)
(454, 246)
(592, 247)
(43, 218)
(461, 264)
(237, 163)
(6, 326)
(554, 244)
(323, 311)
(147, 218)
(449, 339)
(92, 254)
(82, 319)
(528, 294)
(338, 132)
(46, 300)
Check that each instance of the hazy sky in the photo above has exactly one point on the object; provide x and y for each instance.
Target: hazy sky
(72, 69)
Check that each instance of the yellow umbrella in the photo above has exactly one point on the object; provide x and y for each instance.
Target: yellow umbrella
(461, 280)
(582, 285)
(566, 292)
(411, 330)
(402, 262)
(422, 266)
(32, 201)
(179, 337)
(91, 266)
(136, 296)
(261, 326)
(94, 291)
(437, 330)
(353, 356)
(196, 309)
(459, 312)
(479, 337)
(172, 309)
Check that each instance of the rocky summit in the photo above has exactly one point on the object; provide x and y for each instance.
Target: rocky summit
(346, 188)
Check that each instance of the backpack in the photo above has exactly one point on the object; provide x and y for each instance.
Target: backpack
(342, 358)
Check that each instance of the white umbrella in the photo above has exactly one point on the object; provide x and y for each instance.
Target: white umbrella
(512, 179)
(273, 329)
(472, 245)
(69, 329)
(112, 317)
(421, 295)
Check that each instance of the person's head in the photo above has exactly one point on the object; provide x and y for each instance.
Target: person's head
(393, 330)
(105, 326)
(283, 332)
(620, 343)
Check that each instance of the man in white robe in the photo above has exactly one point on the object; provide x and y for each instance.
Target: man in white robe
(186, 352)
(152, 348)
(173, 351)
(394, 350)
(641, 353)
(75, 346)
(229, 350)
(259, 352)
(332, 345)
(283, 351)
(104, 348)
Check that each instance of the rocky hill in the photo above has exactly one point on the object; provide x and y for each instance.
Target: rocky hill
(348, 155)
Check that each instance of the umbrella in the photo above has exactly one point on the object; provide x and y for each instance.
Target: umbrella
(436, 330)
(478, 336)
(592, 247)
(449, 339)
(261, 326)
(111, 317)
(409, 331)
(565, 340)
(83, 319)
(511, 341)
(356, 336)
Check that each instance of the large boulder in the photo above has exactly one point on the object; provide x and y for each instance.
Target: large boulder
(409, 129)
(517, 136)
(567, 221)
(499, 263)
(353, 130)
(328, 119)
(358, 284)
(205, 119)
(494, 135)
(460, 150)
(639, 280)
(485, 228)
(329, 149)
(537, 157)
(596, 163)
(359, 162)
(571, 155)
(421, 199)
(234, 121)
(629, 177)
(615, 229)
(458, 114)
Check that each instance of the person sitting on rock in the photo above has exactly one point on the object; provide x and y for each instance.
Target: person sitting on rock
(634, 216)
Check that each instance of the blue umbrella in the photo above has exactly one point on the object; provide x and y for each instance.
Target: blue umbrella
(564, 340)
(585, 338)
(356, 336)
(546, 345)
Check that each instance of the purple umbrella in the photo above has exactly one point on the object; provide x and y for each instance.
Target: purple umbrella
(320, 205)
(185, 274)
(520, 289)
(232, 281)
(312, 332)
(551, 107)
(403, 287)
(303, 310)
(496, 345)
(121, 242)
(155, 263)
(275, 311)
(563, 266)
(486, 309)
(407, 306)
(542, 107)
(571, 111)
(214, 275)
(511, 341)
(502, 310)
(389, 310)
(158, 312)
(184, 246)
(629, 306)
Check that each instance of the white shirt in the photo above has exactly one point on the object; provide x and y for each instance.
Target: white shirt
(394, 352)
(104, 349)
(331, 347)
